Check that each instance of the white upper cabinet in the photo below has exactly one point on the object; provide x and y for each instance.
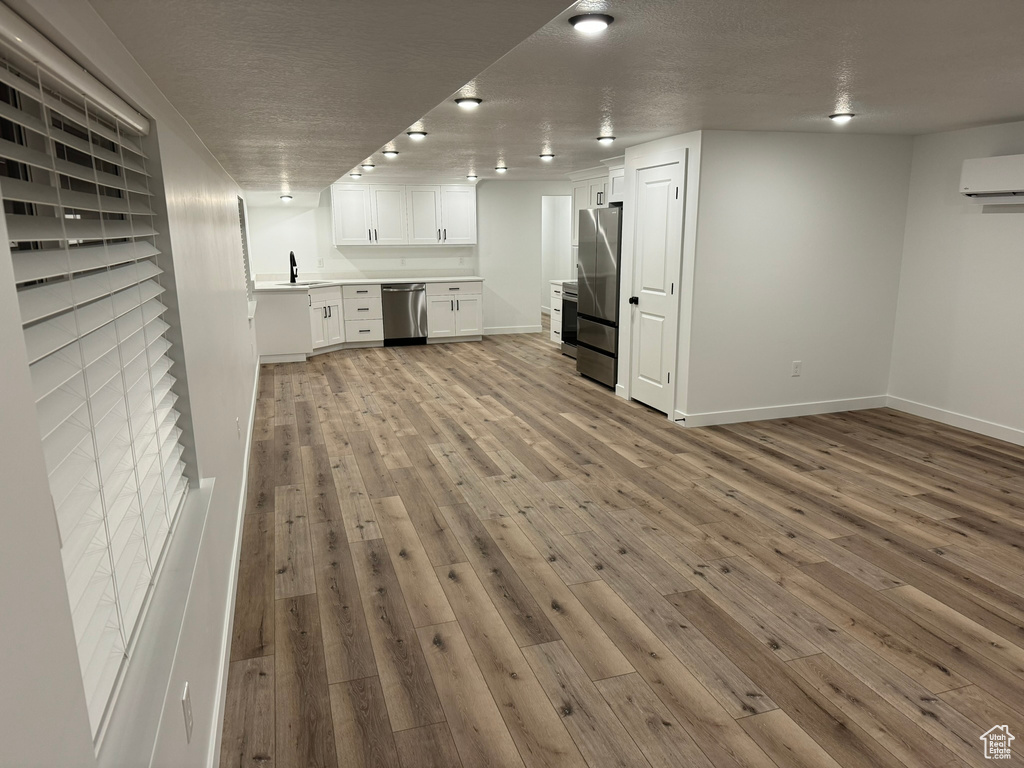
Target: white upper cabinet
(398, 214)
(350, 204)
(387, 212)
(616, 185)
(424, 204)
(458, 215)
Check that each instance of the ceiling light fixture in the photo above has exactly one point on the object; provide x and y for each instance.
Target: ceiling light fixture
(591, 23)
(469, 102)
(500, 168)
(472, 177)
(367, 166)
(416, 135)
(547, 157)
(286, 198)
(389, 153)
(606, 140)
(356, 175)
(842, 118)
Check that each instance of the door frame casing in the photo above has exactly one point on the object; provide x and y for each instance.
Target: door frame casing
(684, 150)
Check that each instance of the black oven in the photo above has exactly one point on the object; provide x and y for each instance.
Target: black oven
(569, 300)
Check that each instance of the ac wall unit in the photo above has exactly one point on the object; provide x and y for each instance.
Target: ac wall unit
(994, 180)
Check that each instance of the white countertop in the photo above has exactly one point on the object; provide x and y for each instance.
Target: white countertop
(559, 282)
(284, 285)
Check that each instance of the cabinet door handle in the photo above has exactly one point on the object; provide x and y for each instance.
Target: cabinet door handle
(446, 235)
(456, 305)
(439, 235)
(369, 235)
(453, 305)
(325, 313)
(329, 313)
(375, 238)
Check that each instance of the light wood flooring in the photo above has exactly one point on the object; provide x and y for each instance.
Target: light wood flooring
(468, 555)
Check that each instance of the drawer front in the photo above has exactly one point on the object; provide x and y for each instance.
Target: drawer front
(363, 309)
(361, 291)
(325, 294)
(556, 292)
(556, 303)
(454, 289)
(364, 330)
(556, 336)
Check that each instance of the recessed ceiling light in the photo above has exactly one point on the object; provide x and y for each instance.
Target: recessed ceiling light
(367, 166)
(547, 157)
(469, 102)
(500, 168)
(390, 153)
(472, 177)
(286, 198)
(591, 23)
(416, 135)
(841, 117)
(356, 175)
(605, 139)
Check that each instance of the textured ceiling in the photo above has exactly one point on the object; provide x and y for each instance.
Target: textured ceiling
(290, 94)
(298, 94)
(666, 67)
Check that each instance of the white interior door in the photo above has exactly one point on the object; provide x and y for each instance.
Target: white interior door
(424, 214)
(387, 208)
(656, 261)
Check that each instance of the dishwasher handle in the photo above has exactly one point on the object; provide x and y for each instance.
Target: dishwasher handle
(403, 288)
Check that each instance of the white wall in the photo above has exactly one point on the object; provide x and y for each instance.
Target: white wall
(509, 235)
(282, 227)
(202, 226)
(799, 241)
(555, 244)
(960, 323)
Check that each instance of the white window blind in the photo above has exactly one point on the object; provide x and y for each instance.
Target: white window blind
(78, 203)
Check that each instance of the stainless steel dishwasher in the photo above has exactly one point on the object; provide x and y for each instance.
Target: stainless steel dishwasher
(405, 313)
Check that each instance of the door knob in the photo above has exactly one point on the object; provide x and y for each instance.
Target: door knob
(634, 299)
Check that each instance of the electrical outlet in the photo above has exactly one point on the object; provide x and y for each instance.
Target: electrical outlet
(797, 367)
(320, 262)
(186, 706)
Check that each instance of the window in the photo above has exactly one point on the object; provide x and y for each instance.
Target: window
(78, 204)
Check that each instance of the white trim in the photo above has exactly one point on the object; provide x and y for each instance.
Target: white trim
(23, 37)
(497, 330)
(781, 411)
(970, 423)
(453, 339)
(292, 357)
(236, 551)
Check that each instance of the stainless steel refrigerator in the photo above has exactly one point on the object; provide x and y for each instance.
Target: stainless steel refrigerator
(597, 338)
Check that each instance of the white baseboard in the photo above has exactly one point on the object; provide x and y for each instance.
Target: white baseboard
(229, 619)
(991, 429)
(779, 411)
(512, 329)
(298, 357)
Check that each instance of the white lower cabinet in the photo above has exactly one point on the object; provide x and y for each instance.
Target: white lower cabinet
(325, 323)
(318, 324)
(454, 309)
(469, 316)
(440, 317)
